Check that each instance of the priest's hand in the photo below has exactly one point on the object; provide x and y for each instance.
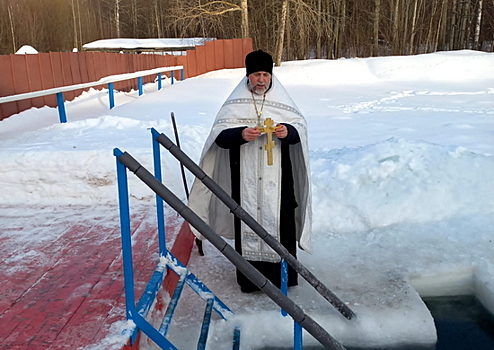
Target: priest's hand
(281, 131)
(250, 134)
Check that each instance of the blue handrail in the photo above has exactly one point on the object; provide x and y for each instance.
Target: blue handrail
(109, 81)
(123, 197)
(167, 262)
(160, 210)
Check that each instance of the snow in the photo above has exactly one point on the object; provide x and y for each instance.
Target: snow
(26, 49)
(154, 43)
(401, 154)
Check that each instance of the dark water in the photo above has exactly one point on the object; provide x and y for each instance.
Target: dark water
(462, 323)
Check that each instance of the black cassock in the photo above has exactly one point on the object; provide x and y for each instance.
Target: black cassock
(231, 139)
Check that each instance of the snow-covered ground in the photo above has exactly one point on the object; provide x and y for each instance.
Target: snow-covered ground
(402, 157)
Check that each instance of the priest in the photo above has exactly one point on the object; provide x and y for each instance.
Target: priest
(257, 151)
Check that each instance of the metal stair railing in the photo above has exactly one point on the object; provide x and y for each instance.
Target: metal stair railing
(212, 303)
(250, 272)
(167, 261)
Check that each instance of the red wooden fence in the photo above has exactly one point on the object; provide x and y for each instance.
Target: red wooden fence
(27, 73)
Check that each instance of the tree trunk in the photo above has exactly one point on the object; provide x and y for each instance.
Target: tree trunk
(396, 26)
(342, 29)
(157, 22)
(464, 37)
(441, 40)
(413, 28)
(431, 35)
(332, 47)
(134, 19)
(453, 40)
(279, 50)
(377, 10)
(100, 19)
(478, 25)
(245, 19)
(117, 17)
(12, 32)
(80, 26)
(319, 31)
(288, 43)
(74, 23)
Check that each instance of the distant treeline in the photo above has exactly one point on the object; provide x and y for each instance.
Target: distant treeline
(290, 29)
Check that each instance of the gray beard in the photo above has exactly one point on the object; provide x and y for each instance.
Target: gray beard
(255, 91)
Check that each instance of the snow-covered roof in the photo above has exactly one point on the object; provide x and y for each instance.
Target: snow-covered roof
(26, 49)
(161, 44)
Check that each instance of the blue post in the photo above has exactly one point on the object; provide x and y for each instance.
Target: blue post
(123, 199)
(61, 108)
(203, 337)
(159, 81)
(297, 336)
(172, 305)
(139, 83)
(236, 339)
(284, 282)
(182, 75)
(159, 201)
(172, 75)
(152, 333)
(111, 95)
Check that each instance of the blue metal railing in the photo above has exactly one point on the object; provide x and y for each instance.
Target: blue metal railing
(301, 319)
(137, 313)
(297, 329)
(109, 81)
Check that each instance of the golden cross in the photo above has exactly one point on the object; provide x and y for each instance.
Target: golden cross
(268, 129)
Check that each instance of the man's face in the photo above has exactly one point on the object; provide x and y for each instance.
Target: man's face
(259, 82)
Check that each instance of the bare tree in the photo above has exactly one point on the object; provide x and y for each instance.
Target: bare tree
(157, 20)
(204, 18)
(340, 27)
(74, 22)
(413, 27)
(12, 31)
(134, 17)
(465, 19)
(311, 29)
(478, 24)
(377, 12)
(441, 33)
(453, 25)
(319, 30)
(281, 36)
(117, 17)
(396, 27)
(244, 7)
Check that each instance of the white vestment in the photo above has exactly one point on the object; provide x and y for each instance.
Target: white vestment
(260, 184)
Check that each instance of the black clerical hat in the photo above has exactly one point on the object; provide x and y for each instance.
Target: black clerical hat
(259, 61)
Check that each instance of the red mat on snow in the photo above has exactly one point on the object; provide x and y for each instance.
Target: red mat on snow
(62, 277)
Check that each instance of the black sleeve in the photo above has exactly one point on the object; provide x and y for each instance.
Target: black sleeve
(292, 137)
(230, 138)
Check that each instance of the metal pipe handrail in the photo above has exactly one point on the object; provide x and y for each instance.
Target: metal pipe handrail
(110, 80)
(256, 227)
(239, 261)
(102, 81)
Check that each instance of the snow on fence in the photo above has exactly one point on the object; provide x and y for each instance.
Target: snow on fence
(37, 72)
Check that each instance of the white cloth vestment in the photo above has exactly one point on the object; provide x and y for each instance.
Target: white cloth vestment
(260, 184)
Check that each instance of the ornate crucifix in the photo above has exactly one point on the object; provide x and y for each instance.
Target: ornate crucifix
(268, 128)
